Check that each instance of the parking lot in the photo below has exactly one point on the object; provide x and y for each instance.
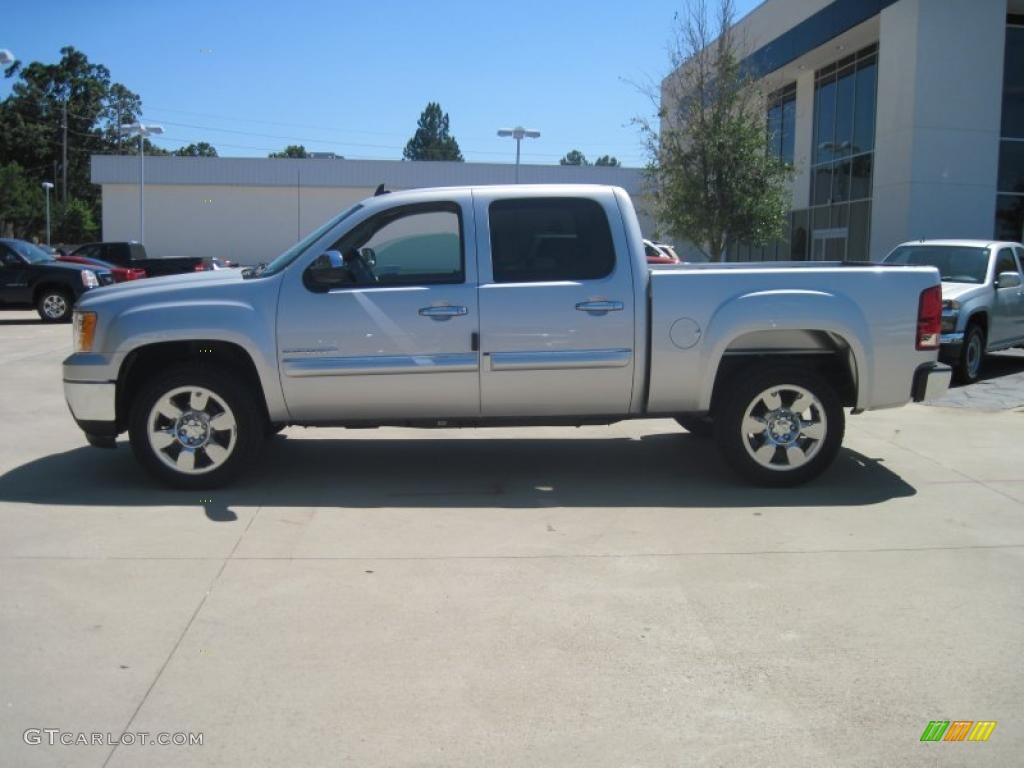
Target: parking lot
(606, 596)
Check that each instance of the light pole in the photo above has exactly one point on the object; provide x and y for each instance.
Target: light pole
(518, 133)
(47, 186)
(6, 57)
(142, 131)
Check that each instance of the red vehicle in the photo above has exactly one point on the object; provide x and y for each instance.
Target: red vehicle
(121, 274)
(655, 255)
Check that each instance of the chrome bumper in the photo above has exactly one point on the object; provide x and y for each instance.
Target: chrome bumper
(951, 338)
(91, 401)
(931, 382)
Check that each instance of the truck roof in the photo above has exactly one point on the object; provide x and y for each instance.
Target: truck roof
(964, 243)
(517, 190)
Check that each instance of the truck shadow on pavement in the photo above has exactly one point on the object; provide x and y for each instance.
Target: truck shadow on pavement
(672, 469)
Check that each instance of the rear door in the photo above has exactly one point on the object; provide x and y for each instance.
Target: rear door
(556, 306)
(14, 277)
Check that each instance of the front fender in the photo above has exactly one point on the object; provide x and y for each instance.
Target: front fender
(227, 320)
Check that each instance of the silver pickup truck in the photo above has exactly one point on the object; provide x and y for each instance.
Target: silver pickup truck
(982, 297)
(504, 305)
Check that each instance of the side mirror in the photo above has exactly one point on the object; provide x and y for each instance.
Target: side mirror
(1008, 280)
(327, 271)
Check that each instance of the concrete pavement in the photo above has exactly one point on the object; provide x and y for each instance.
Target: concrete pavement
(600, 596)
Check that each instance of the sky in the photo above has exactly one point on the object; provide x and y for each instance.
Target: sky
(353, 77)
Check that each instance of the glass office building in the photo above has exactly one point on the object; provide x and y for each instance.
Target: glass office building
(903, 119)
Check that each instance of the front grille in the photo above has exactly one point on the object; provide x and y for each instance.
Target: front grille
(106, 278)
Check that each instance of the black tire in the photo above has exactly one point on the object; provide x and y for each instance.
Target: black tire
(55, 305)
(698, 426)
(972, 354)
(224, 388)
(737, 447)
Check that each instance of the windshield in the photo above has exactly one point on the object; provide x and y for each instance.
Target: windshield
(299, 248)
(33, 254)
(956, 263)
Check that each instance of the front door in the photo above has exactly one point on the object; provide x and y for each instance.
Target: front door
(1008, 305)
(556, 307)
(397, 340)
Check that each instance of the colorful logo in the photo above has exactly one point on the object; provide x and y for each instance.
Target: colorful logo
(958, 730)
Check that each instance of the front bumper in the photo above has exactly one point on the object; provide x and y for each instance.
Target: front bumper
(931, 381)
(950, 346)
(93, 406)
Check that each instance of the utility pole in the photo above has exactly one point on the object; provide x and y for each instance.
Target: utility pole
(64, 156)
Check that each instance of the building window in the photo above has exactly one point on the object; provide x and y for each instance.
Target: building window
(842, 158)
(782, 122)
(1010, 200)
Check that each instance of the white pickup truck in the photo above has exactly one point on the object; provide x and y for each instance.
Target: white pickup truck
(504, 305)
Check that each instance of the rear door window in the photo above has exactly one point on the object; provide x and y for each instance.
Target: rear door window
(550, 240)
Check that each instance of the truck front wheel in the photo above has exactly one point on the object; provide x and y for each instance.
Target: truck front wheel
(195, 427)
(54, 305)
(779, 427)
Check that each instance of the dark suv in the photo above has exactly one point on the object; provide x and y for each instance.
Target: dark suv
(30, 277)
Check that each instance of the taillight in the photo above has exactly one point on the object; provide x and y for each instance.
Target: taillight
(929, 318)
(200, 267)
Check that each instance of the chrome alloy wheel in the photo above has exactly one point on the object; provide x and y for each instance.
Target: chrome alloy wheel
(55, 306)
(192, 430)
(784, 427)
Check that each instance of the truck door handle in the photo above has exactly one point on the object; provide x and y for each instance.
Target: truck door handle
(443, 313)
(600, 307)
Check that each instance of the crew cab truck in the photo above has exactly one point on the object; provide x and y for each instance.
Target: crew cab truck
(982, 297)
(132, 255)
(30, 277)
(503, 305)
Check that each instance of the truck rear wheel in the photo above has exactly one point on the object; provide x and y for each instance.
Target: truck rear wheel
(195, 427)
(779, 427)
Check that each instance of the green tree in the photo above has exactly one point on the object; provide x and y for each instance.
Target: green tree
(432, 140)
(32, 117)
(292, 150)
(75, 223)
(201, 149)
(713, 180)
(574, 157)
(608, 160)
(22, 209)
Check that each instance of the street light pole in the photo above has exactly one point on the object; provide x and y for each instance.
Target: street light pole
(142, 131)
(518, 133)
(47, 185)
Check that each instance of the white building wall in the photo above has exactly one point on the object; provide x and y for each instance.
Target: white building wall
(245, 224)
(251, 209)
(937, 126)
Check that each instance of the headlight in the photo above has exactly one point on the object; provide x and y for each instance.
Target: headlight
(951, 306)
(83, 330)
(89, 279)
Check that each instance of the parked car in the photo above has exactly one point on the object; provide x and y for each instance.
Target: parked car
(218, 263)
(982, 297)
(655, 255)
(133, 254)
(30, 277)
(545, 312)
(121, 274)
(669, 251)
